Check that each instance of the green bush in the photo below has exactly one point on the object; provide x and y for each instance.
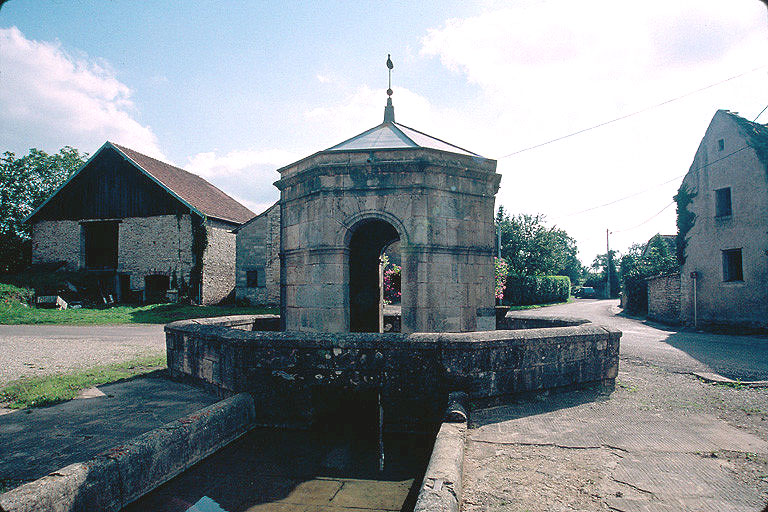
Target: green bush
(524, 291)
(636, 291)
(13, 295)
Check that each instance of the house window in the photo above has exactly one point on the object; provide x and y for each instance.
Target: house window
(721, 144)
(732, 270)
(100, 244)
(255, 278)
(723, 202)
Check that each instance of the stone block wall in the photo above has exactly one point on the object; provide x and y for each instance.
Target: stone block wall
(218, 262)
(413, 373)
(158, 245)
(664, 298)
(258, 246)
(57, 240)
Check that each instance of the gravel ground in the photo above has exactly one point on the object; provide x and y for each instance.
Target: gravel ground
(661, 441)
(32, 350)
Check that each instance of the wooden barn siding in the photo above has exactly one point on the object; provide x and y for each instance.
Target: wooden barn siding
(110, 187)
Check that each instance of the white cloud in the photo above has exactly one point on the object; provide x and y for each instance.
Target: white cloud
(248, 174)
(545, 69)
(49, 99)
(237, 162)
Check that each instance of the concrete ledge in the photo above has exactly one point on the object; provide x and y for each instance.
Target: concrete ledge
(441, 488)
(716, 378)
(116, 477)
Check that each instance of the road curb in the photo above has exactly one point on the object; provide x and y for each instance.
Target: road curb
(716, 378)
(116, 477)
(441, 488)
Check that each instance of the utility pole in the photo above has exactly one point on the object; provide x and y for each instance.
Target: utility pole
(498, 239)
(608, 264)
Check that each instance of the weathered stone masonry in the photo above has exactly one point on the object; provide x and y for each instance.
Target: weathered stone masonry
(413, 372)
(155, 245)
(664, 298)
(218, 262)
(56, 240)
(258, 249)
(440, 204)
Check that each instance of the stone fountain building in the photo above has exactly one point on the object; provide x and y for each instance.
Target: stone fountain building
(340, 208)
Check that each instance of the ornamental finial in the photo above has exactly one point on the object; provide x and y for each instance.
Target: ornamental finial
(389, 110)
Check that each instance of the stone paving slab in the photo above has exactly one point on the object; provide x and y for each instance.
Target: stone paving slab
(607, 424)
(35, 442)
(631, 451)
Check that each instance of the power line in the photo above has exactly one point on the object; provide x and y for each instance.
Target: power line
(620, 118)
(645, 221)
(652, 187)
(624, 198)
(761, 113)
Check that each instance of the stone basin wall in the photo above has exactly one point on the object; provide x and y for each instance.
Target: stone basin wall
(293, 376)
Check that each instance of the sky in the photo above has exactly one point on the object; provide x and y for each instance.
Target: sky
(233, 90)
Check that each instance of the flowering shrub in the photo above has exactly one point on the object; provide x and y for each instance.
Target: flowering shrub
(501, 271)
(391, 280)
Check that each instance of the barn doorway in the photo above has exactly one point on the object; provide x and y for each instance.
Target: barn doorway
(370, 238)
(100, 244)
(156, 288)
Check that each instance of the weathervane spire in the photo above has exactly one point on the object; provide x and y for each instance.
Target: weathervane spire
(389, 110)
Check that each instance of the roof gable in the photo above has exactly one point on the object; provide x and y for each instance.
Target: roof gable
(188, 190)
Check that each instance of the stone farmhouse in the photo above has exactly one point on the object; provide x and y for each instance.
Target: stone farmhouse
(143, 224)
(724, 280)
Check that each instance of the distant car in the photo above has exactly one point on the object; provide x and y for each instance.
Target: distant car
(586, 292)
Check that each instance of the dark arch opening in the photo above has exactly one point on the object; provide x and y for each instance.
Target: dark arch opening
(369, 239)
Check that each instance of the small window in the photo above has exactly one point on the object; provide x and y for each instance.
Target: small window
(721, 144)
(723, 202)
(255, 278)
(732, 270)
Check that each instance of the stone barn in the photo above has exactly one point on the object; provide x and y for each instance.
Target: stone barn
(341, 208)
(145, 225)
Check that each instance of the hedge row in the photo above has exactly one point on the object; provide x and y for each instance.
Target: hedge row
(522, 291)
(636, 291)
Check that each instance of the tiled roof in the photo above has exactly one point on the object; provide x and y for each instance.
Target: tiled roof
(751, 128)
(391, 135)
(198, 193)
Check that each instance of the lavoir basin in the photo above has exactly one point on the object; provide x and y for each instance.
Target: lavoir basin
(332, 470)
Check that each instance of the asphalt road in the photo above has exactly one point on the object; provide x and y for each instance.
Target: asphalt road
(735, 357)
(31, 350)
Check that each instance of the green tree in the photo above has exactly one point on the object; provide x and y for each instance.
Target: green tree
(25, 183)
(597, 276)
(654, 258)
(530, 248)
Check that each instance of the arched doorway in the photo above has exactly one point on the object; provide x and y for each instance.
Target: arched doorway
(369, 239)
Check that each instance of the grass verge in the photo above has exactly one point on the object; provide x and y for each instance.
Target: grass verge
(537, 306)
(51, 389)
(14, 313)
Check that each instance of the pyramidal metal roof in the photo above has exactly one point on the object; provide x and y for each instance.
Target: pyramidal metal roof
(392, 135)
